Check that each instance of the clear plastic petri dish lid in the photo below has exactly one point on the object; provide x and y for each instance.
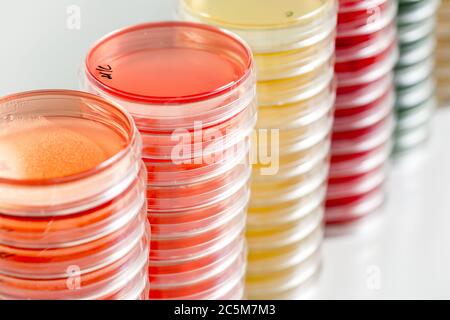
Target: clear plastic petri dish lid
(286, 213)
(314, 119)
(289, 200)
(297, 113)
(233, 290)
(368, 71)
(349, 199)
(195, 238)
(236, 292)
(361, 132)
(412, 96)
(94, 285)
(316, 134)
(374, 47)
(291, 90)
(217, 252)
(214, 283)
(354, 6)
(359, 164)
(206, 167)
(135, 291)
(373, 138)
(411, 75)
(271, 192)
(181, 220)
(366, 118)
(76, 229)
(188, 254)
(292, 63)
(352, 122)
(198, 274)
(203, 186)
(265, 243)
(417, 116)
(371, 17)
(182, 145)
(299, 254)
(286, 167)
(414, 32)
(410, 139)
(271, 26)
(74, 192)
(134, 288)
(347, 187)
(305, 144)
(287, 137)
(357, 209)
(255, 233)
(153, 70)
(170, 253)
(235, 200)
(352, 98)
(171, 237)
(230, 288)
(289, 166)
(267, 265)
(307, 290)
(198, 195)
(417, 11)
(52, 262)
(130, 283)
(274, 287)
(416, 52)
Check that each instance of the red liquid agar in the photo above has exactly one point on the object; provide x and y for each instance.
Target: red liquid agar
(173, 72)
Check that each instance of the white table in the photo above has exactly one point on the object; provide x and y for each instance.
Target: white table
(404, 252)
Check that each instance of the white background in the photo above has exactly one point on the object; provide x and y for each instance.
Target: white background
(404, 252)
(39, 51)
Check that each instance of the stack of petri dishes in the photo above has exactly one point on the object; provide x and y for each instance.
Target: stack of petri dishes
(366, 53)
(414, 76)
(191, 90)
(73, 214)
(443, 53)
(293, 46)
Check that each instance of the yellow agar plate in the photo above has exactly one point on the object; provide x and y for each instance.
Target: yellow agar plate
(256, 13)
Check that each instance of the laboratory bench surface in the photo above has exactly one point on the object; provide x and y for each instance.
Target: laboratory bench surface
(403, 251)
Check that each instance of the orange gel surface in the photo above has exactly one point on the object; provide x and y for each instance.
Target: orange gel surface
(56, 147)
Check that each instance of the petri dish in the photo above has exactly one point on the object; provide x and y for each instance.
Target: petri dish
(197, 82)
(274, 26)
(57, 213)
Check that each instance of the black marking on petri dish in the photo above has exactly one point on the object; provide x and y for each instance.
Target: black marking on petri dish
(289, 14)
(105, 71)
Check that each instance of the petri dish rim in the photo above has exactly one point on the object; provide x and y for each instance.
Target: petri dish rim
(263, 26)
(44, 94)
(168, 101)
